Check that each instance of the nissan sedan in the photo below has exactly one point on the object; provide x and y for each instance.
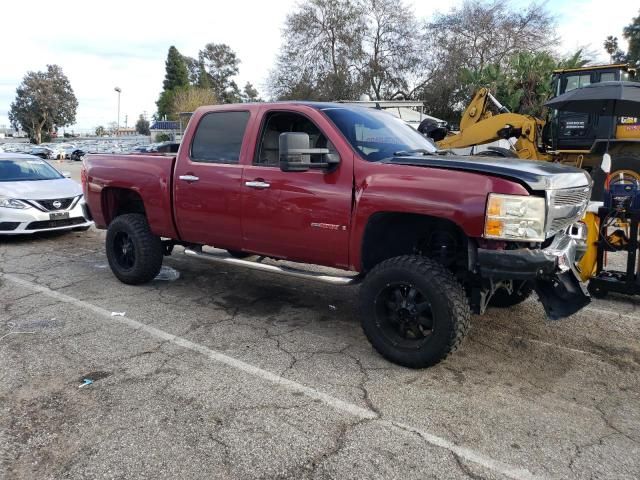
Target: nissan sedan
(35, 197)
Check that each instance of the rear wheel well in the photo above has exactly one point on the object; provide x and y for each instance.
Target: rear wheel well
(120, 201)
(392, 234)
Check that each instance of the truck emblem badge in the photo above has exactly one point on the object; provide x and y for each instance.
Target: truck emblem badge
(328, 226)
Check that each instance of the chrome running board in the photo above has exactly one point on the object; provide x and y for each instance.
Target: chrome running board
(227, 259)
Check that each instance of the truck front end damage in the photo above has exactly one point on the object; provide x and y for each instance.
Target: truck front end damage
(537, 239)
(552, 270)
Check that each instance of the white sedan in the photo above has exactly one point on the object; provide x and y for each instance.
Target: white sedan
(35, 197)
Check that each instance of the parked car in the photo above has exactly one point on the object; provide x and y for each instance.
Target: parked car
(67, 150)
(77, 155)
(43, 152)
(432, 237)
(165, 147)
(35, 197)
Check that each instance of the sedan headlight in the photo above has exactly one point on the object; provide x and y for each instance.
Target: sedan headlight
(12, 203)
(515, 217)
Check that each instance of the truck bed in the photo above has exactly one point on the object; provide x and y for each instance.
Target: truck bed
(149, 176)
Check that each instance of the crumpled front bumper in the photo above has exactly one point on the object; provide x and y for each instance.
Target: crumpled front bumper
(552, 269)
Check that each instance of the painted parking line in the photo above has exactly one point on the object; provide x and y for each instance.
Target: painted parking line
(330, 401)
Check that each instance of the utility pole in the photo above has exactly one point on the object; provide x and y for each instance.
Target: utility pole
(119, 90)
(126, 121)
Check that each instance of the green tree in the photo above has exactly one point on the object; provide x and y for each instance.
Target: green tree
(522, 84)
(250, 94)
(44, 102)
(218, 65)
(176, 78)
(142, 126)
(632, 34)
(100, 131)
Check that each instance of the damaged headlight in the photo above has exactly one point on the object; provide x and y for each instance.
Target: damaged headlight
(515, 217)
(12, 203)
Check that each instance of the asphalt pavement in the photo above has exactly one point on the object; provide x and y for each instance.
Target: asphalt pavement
(232, 374)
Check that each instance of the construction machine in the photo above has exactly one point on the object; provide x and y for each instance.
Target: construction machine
(577, 139)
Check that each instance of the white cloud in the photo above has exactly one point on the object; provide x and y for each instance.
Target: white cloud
(124, 43)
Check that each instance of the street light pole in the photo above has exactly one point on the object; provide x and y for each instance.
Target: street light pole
(119, 90)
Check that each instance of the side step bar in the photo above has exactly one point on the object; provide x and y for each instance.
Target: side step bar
(227, 259)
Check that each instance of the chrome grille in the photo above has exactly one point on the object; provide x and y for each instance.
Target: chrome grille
(566, 206)
(56, 204)
(571, 196)
(53, 204)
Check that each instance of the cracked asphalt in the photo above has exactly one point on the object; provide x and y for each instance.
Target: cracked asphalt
(232, 374)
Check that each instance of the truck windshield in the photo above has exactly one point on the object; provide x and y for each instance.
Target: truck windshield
(20, 170)
(378, 135)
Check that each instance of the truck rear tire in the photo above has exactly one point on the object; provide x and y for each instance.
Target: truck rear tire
(414, 311)
(134, 253)
(504, 299)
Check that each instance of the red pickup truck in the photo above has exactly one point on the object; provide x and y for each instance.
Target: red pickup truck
(431, 236)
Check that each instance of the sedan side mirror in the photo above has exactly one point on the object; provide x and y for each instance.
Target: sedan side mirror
(295, 153)
(66, 174)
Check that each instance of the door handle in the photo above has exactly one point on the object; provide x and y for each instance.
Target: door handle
(259, 184)
(189, 178)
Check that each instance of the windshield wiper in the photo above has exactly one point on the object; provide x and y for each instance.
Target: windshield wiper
(408, 153)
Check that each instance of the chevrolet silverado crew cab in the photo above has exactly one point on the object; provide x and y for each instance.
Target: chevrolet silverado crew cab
(432, 237)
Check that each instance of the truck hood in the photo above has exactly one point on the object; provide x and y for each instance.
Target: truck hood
(535, 175)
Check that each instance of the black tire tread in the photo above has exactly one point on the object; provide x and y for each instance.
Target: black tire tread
(149, 252)
(455, 297)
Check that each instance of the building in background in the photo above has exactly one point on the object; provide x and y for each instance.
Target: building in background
(165, 130)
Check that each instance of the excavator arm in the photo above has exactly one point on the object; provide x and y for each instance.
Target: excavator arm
(479, 126)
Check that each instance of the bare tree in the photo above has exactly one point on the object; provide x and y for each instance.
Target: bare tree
(473, 37)
(390, 48)
(321, 52)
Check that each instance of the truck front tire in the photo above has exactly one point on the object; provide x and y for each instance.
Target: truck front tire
(133, 251)
(414, 311)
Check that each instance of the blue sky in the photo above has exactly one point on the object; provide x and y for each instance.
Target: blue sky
(124, 43)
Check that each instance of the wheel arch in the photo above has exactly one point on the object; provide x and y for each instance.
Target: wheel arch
(118, 201)
(389, 234)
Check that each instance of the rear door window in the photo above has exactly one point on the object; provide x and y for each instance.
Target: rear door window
(218, 137)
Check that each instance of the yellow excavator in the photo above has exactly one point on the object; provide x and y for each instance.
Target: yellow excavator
(576, 139)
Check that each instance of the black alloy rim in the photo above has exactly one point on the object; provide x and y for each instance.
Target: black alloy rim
(124, 250)
(404, 315)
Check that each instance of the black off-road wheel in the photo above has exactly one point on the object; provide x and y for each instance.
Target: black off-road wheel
(503, 299)
(414, 312)
(134, 253)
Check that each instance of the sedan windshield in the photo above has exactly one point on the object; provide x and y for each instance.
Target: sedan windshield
(378, 135)
(20, 170)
